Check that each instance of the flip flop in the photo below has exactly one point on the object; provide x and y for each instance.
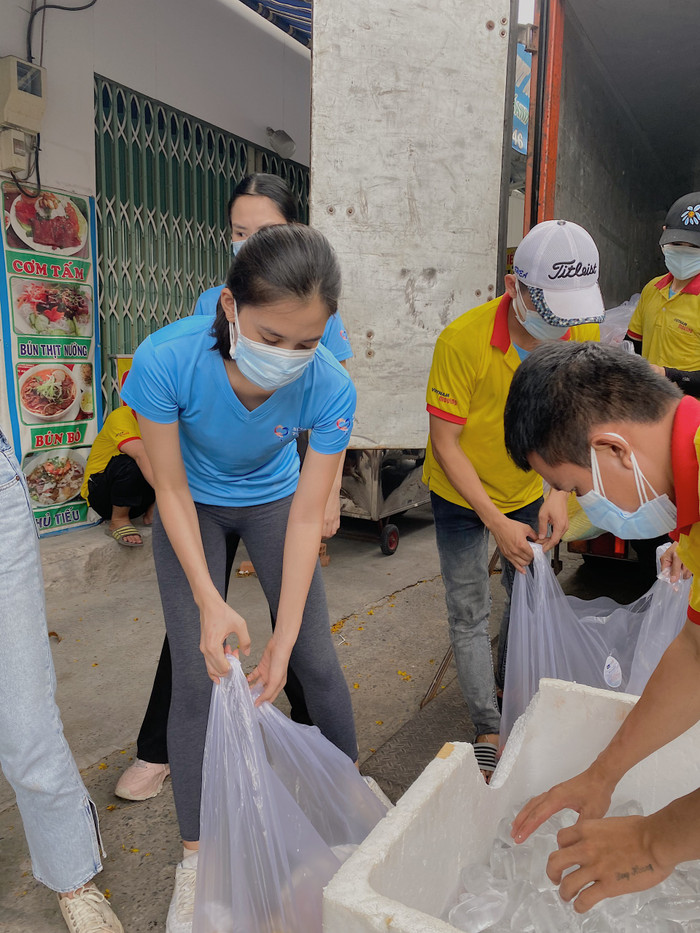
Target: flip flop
(123, 532)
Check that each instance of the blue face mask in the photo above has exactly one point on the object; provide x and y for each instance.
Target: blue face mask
(654, 517)
(535, 324)
(236, 247)
(683, 262)
(269, 368)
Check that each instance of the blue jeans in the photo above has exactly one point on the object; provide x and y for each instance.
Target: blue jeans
(60, 819)
(462, 541)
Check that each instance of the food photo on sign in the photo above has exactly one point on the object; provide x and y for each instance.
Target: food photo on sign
(46, 308)
(56, 476)
(48, 223)
(55, 392)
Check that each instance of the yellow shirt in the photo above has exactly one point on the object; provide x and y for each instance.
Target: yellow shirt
(669, 327)
(685, 461)
(121, 426)
(473, 366)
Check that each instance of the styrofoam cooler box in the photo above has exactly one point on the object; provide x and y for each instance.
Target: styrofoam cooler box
(405, 875)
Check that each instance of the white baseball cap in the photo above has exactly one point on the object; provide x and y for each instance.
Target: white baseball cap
(558, 262)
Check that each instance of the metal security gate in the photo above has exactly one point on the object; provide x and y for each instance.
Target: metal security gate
(163, 181)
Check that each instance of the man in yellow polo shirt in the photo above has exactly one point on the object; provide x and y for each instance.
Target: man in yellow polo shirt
(474, 487)
(665, 327)
(118, 481)
(600, 422)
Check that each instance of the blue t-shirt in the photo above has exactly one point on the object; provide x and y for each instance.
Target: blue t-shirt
(234, 456)
(335, 337)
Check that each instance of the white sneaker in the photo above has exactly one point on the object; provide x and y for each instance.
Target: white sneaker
(142, 780)
(181, 911)
(89, 912)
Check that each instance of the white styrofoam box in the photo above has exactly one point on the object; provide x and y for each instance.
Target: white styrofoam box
(406, 873)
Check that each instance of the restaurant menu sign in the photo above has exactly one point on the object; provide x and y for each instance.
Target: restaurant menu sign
(48, 303)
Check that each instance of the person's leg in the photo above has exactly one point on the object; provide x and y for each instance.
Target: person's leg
(60, 819)
(191, 694)
(121, 493)
(298, 710)
(128, 486)
(293, 689)
(313, 661)
(152, 742)
(528, 515)
(145, 777)
(232, 540)
(462, 542)
(191, 686)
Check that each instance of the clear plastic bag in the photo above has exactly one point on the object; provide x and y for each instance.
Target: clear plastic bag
(595, 642)
(614, 327)
(323, 781)
(262, 865)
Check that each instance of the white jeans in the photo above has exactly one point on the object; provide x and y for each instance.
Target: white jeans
(60, 819)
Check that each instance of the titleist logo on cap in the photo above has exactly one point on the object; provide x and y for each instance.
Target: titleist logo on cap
(569, 269)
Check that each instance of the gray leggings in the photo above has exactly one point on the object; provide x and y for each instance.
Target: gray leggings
(262, 528)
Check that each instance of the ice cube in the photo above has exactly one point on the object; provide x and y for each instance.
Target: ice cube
(517, 893)
(521, 918)
(690, 872)
(676, 907)
(521, 864)
(641, 923)
(596, 922)
(658, 924)
(550, 914)
(511, 864)
(497, 861)
(557, 821)
(568, 818)
(503, 831)
(617, 908)
(676, 884)
(542, 848)
(476, 877)
(628, 808)
(477, 912)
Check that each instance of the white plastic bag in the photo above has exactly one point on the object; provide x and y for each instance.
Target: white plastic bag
(262, 865)
(323, 781)
(595, 642)
(614, 327)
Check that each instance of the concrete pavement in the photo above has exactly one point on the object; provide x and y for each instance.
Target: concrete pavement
(102, 601)
(389, 623)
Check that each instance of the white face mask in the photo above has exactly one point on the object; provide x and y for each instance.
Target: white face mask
(269, 368)
(655, 516)
(533, 323)
(683, 262)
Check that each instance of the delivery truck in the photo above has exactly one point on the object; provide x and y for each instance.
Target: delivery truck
(417, 168)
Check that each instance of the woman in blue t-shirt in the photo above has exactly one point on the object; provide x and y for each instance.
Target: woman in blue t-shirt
(220, 402)
(258, 200)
